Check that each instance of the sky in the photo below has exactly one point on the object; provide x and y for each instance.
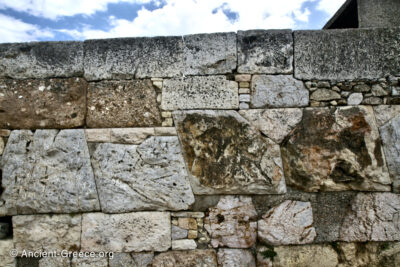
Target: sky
(55, 20)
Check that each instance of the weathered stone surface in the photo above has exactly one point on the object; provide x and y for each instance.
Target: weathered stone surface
(142, 259)
(52, 103)
(165, 131)
(183, 244)
(89, 262)
(127, 58)
(1, 146)
(291, 222)
(130, 135)
(151, 176)
(305, 256)
(385, 113)
(122, 104)
(47, 232)
(269, 52)
(98, 135)
(209, 53)
(324, 95)
(377, 90)
(228, 257)
(5, 259)
(278, 91)
(382, 14)
(189, 258)
(216, 142)
(274, 123)
(335, 149)
(54, 262)
(47, 171)
(232, 223)
(129, 232)
(377, 54)
(200, 92)
(390, 134)
(355, 99)
(41, 60)
(178, 233)
(373, 217)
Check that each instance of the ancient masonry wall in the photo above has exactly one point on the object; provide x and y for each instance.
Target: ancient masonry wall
(261, 148)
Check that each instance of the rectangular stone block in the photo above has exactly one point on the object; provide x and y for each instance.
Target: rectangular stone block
(41, 60)
(207, 92)
(130, 135)
(265, 52)
(348, 54)
(382, 13)
(37, 103)
(122, 104)
(139, 231)
(98, 135)
(47, 232)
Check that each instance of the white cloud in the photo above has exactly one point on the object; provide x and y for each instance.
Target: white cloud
(14, 30)
(330, 6)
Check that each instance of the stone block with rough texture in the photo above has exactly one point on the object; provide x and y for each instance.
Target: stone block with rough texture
(207, 92)
(385, 113)
(128, 232)
(122, 104)
(41, 60)
(228, 257)
(141, 259)
(278, 91)
(47, 171)
(346, 54)
(190, 258)
(47, 232)
(265, 51)
(151, 176)
(6, 260)
(183, 244)
(39, 103)
(216, 142)
(130, 135)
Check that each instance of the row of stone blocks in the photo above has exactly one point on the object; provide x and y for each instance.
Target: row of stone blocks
(350, 54)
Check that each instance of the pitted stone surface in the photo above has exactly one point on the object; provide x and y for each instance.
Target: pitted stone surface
(151, 176)
(269, 52)
(207, 54)
(274, 123)
(377, 54)
(41, 60)
(228, 257)
(198, 257)
(128, 232)
(278, 91)
(384, 113)
(5, 258)
(47, 171)
(47, 232)
(89, 262)
(232, 223)
(289, 223)
(141, 259)
(335, 149)
(129, 58)
(372, 217)
(122, 104)
(39, 103)
(223, 142)
(207, 92)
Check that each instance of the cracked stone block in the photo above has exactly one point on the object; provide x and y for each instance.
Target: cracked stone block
(189, 258)
(47, 171)
(215, 142)
(149, 176)
(228, 257)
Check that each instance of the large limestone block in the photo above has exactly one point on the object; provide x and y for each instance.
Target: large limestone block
(122, 104)
(140, 259)
(226, 155)
(41, 60)
(151, 176)
(372, 217)
(6, 260)
(47, 232)
(189, 258)
(390, 134)
(289, 223)
(206, 54)
(274, 123)
(128, 58)
(232, 223)
(128, 232)
(268, 52)
(47, 171)
(200, 92)
(336, 149)
(348, 54)
(228, 257)
(278, 91)
(51, 103)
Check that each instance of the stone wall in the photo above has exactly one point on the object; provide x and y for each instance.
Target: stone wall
(261, 148)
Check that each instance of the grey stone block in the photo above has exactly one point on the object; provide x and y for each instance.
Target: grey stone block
(382, 13)
(347, 54)
(41, 60)
(267, 52)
